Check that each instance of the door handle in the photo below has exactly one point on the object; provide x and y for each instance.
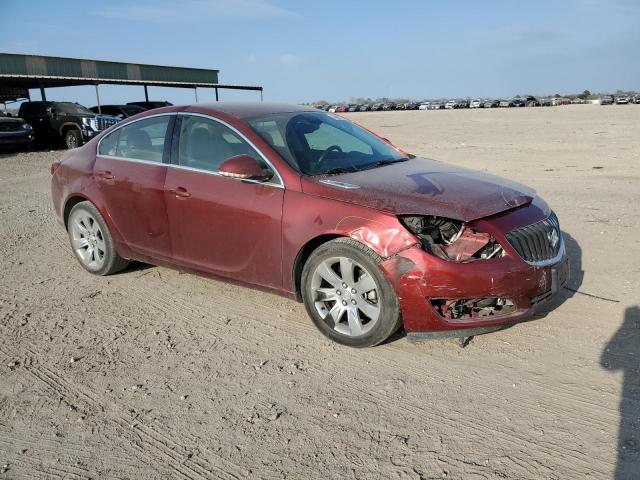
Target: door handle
(106, 174)
(181, 192)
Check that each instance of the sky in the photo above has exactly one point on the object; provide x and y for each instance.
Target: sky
(304, 51)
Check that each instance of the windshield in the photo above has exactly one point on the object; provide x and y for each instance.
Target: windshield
(73, 108)
(316, 143)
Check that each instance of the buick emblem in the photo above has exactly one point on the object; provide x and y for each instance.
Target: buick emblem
(553, 237)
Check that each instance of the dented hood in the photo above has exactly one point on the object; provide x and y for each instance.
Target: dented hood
(423, 186)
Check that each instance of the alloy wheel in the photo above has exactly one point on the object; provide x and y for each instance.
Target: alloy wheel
(87, 240)
(72, 141)
(346, 296)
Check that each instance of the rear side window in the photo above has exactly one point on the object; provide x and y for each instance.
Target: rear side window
(205, 144)
(141, 140)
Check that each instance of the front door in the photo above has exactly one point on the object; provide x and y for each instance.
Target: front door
(222, 225)
(130, 173)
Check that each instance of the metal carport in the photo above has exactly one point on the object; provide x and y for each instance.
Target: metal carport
(19, 73)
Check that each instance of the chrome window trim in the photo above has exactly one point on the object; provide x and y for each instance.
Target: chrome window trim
(279, 184)
(191, 169)
(241, 135)
(134, 160)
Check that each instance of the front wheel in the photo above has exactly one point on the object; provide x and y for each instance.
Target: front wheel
(91, 241)
(72, 138)
(347, 296)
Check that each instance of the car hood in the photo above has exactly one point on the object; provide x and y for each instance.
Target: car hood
(11, 120)
(423, 186)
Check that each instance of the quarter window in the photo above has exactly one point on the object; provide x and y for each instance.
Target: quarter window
(205, 144)
(109, 144)
(141, 140)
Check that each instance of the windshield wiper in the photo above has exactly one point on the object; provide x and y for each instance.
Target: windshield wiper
(382, 163)
(379, 163)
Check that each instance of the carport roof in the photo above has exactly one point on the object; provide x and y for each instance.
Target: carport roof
(35, 71)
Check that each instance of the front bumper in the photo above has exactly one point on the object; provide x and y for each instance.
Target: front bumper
(23, 137)
(420, 278)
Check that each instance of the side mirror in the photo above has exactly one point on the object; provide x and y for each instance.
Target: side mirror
(244, 167)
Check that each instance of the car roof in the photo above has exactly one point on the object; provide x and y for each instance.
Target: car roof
(242, 110)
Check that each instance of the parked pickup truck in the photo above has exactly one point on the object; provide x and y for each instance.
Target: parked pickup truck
(14, 132)
(66, 123)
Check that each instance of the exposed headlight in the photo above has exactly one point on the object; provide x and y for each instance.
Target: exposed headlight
(26, 126)
(451, 240)
(90, 122)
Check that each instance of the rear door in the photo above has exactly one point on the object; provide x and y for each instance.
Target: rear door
(130, 170)
(222, 225)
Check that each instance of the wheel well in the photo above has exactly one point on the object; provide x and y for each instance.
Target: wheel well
(302, 257)
(71, 202)
(67, 127)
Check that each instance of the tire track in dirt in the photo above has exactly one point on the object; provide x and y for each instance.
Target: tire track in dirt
(37, 448)
(187, 311)
(256, 310)
(181, 308)
(60, 471)
(161, 442)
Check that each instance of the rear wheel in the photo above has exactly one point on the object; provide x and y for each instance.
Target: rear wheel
(72, 138)
(91, 241)
(347, 296)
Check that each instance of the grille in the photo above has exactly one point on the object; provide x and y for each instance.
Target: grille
(535, 243)
(104, 123)
(10, 127)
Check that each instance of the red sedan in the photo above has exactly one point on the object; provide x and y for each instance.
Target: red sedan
(309, 205)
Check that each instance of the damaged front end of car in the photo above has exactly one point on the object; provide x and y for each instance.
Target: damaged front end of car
(452, 240)
(457, 242)
(460, 276)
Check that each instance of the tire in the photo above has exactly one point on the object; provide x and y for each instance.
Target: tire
(363, 314)
(91, 241)
(72, 138)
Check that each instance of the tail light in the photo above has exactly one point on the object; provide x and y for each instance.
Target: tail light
(54, 167)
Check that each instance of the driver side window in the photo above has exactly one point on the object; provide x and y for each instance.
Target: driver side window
(204, 144)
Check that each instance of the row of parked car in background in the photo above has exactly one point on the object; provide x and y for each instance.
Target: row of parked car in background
(528, 101)
(67, 124)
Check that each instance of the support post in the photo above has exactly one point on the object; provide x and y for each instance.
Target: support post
(146, 94)
(98, 99)
(195, 91)
(217, 99)
(260, 94)
(43, 95)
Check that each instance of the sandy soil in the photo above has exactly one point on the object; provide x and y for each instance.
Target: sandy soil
(155, 374)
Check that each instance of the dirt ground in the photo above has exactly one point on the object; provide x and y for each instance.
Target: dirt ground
(154, 374)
